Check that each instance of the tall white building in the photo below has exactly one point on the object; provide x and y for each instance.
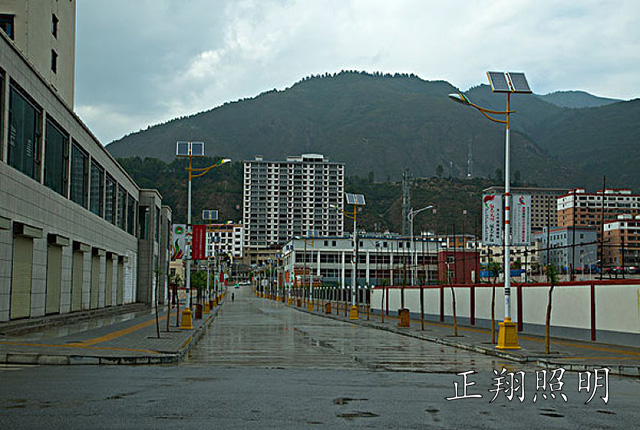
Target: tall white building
(289, 198)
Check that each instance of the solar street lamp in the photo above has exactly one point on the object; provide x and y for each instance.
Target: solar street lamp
(355, 200)
(414, 259)
(507, 83)
(208, 215)
(191, 149)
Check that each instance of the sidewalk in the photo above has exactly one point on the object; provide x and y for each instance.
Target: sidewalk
(572, 355)
(102, 338)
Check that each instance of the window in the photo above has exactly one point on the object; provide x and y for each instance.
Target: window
(6, 24)
(54, 61)
(110, 200)
(131, 213)
(96, 191)
(157, 232)
(54, 25)
(121, 212)
(56, 165)
(144, 222)
(79, 175)
(25, 121)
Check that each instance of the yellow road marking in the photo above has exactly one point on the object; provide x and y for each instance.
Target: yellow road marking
(89, 342)
(117, 334)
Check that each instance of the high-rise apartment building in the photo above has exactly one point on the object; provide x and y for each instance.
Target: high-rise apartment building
(587, 209)
(289, 198)
(543, 203)
(45, 32)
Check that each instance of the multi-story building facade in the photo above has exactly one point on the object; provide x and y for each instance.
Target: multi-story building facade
(543, 203)
(567, 248)
(622, 242)
(45, 31)
(76, 232)
(290, 198)
(583, 209)
(382, 259)
(226, 239)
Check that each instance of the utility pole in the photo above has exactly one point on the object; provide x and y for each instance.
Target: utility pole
(406, 201)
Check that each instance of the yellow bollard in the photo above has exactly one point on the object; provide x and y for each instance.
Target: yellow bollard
(187, 319)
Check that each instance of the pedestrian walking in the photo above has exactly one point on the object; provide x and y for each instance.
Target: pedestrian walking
(232, 297)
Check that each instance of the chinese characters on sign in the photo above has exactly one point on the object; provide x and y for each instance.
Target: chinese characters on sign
(549, 385)
(492, 219)
(521, 220)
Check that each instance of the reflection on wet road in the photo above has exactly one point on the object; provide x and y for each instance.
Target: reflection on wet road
(262, 333)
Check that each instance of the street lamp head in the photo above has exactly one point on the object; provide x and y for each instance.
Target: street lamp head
(460, 98)
(225, 160)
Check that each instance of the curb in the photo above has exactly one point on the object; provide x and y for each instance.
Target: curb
(34, 359)
(633, 371)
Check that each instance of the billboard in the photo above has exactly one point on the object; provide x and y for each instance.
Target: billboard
(521, 220)
(178, 241)
(492, 222)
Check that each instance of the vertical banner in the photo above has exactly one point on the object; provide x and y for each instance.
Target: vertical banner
(199, 242)
(492, 223)
(521, 220)
(178, 241)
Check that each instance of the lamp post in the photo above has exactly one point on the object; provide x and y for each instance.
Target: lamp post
(508, 83)
(355, 200)
(190, 150)
(414, 257)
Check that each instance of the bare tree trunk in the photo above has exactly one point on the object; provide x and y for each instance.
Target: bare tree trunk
(455, 319)
(168, 307)
(548, 322)
(493, 313)
(157, 310)
(177, 308)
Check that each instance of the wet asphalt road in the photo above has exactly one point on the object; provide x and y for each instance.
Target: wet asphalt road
(262, 365)
(253, 332)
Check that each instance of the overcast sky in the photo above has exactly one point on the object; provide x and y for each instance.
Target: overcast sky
(141, 62)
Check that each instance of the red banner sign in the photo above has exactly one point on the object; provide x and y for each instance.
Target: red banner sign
(199, 242)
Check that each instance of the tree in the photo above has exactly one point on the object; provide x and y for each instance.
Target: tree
(494, 269)
(439, 170)
(498, 174)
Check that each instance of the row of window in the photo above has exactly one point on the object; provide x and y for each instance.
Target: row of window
(68, 168)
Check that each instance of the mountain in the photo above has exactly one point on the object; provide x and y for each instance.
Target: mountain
(576, 99)
(380, 125)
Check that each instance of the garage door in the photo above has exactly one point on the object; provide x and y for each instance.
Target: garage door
(54, 279)
(76, 282)
(120, 284)
(109, 283)
(21, 277)
(95, 281)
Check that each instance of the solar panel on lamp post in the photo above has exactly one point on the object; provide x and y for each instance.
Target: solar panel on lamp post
(508, 83)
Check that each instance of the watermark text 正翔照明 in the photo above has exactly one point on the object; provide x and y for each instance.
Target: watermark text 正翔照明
(549, 385)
